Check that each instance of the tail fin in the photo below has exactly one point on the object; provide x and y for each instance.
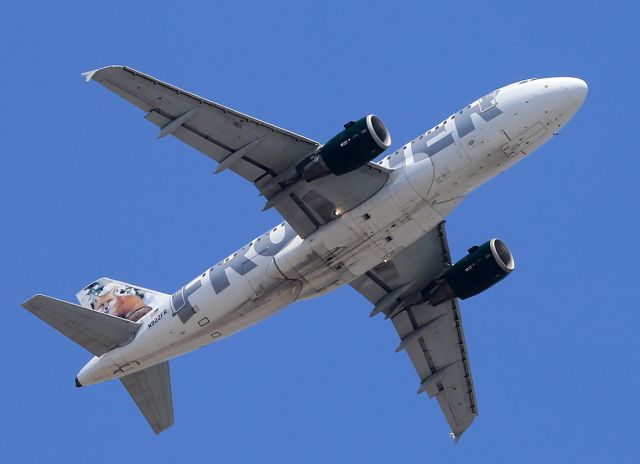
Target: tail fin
(150, 388)
(92, 330)
(119, 298)
(105, 320)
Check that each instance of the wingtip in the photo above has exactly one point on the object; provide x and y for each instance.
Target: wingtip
(456, 436)
(30, 300)
(88, 75)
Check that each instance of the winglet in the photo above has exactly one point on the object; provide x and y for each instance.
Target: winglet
(88, 75)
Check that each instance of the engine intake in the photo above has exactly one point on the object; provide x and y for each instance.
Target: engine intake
(483, 267)
(359, 142)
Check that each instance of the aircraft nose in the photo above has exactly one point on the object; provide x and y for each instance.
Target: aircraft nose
(575, 89)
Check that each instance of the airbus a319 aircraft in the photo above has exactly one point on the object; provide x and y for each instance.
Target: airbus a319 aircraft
(376, 226)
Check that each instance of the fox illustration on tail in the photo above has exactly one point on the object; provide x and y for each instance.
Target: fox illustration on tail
(119, 299)
(130, 307)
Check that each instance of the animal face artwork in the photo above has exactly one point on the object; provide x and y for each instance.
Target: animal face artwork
(119, 299)
(130, 307)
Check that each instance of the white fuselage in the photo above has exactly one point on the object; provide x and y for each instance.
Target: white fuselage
(430, 176)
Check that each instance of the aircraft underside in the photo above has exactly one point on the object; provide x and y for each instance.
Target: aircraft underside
(377, 226)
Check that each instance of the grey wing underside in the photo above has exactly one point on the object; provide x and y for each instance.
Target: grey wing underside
(96, 332)
(151, 390)
(255, 150)
(432, 336)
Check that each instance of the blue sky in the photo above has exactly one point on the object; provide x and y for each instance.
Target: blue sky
(87, 191)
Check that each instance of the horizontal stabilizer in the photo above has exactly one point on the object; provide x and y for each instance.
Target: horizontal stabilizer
(94, 331)
(150, 388)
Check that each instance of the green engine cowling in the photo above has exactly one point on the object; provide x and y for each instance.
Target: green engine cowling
(483, 267)
(359, 142)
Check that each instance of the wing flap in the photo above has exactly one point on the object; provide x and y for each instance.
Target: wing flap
(150, 389)
(189, 136)
(199, 133)
(97, 332)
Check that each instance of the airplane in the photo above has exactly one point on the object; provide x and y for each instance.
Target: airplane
(348, 220)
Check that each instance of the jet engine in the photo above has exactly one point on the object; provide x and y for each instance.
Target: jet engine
(483, 267)
(359, 142)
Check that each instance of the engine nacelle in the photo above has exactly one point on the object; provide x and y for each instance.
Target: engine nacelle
(359, 142)
(483, 267)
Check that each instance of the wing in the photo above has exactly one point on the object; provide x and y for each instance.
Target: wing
(150, 388)
(251, 148)
(94, 331)
(432, 336)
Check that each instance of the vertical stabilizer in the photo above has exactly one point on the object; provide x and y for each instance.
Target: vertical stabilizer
(119, 299)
